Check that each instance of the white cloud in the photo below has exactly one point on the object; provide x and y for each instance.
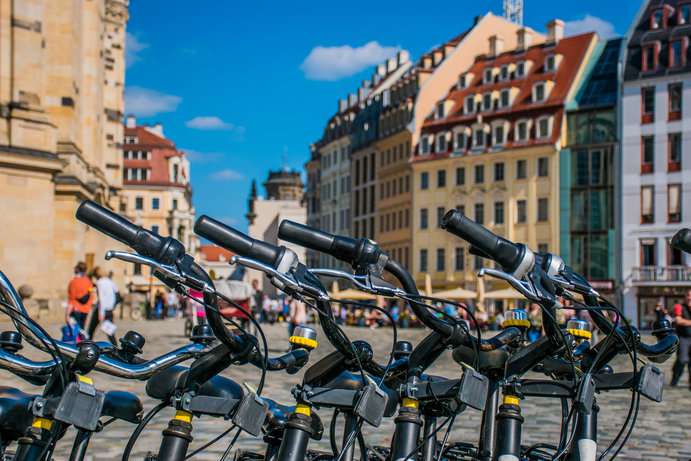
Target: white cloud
(132, 49)
(144, 102)
(336, 62)
(211, 122)
(226, 175)
(197, 156)
(590, 23)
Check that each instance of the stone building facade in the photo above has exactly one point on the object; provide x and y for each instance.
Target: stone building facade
(62, 71)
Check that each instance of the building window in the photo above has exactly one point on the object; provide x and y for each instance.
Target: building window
(441, 260)
(139, 203)
(550, 63)
(521, 169)
(154, 229)
(480, 213)
(649, 58)
(674, 203)
(175, 204)
(648, 252)
(479, 174)
(648, 104)
(684, 13)
(520, 69)
(479, 137)
(677, 53)
(440, 110)
(675, 93)
(647, 204)
(498, 213)
(539, 92)
(155, 203)
(504, 72)
(674, 161)
(424, 145)
(499, 137)
(463, 81)
(461, 142)
(542, 209)
(440, 216)
(522, 131)
(460, 176)
(543, 167)
(459, 259)
(521, 212)
(487, 101)
(477, 263)
(423, 260)
(499, 171)
(469, 104)
(504, 98)
(656, 19)
(543, 128)
(424, 180)
(441, 178)
(488, 76)
(647, 154)
(423, 218)
(441, 142)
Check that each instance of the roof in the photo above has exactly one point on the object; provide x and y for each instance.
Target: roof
(147, 139)
(160, 150)
(602, 87)
(214, 253)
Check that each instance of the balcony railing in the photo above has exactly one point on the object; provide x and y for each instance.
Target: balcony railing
(661, 274)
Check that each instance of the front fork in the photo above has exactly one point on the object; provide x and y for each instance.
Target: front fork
(34, 445)
(176, 437)
(297, 434)
(509, 425)
(585, 445)
(407, 432)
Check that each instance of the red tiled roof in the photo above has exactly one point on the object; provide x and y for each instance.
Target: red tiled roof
(213, 253)
(147, 138)
(160, 150)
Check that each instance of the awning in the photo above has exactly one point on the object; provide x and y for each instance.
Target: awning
(353, 295)
(456, 293)
(506, 293)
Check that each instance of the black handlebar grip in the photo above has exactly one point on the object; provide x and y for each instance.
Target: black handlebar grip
(343, 248)
(682, 240)
(506, 253)
(143, 241)
(238, 242)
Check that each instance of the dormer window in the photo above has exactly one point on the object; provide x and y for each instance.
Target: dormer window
(440, 110)
(677, 52)
(488, 76)
(505, 98)
(441, 143)
(498, 135)
(539, 92)
(684, 14)
(470, 104)
(463, 81)
(522, 128)
(504, 73)
(657, 19)
(544, 127)
(520, 69)
(550, 63)
(479, 137)
(650, 58)
(461, 141)
(424, 145)
(487, 101)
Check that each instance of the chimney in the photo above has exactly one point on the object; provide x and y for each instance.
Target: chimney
(131, 121)
(524, 38)
(381, 69)
(390, 65)
(352, 99)
(342, 105)
(403, 57)
(156, 129)
(496, 45)
(555, 31)
(362, 93)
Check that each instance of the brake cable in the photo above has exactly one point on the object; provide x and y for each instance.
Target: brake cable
(446, 437)
(140, 427)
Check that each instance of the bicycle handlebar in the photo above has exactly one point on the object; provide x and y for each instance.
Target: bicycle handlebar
(342, 248)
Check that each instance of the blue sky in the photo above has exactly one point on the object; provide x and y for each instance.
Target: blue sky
(245, 86)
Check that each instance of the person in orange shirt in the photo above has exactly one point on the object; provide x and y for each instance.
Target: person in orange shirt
(80, 295)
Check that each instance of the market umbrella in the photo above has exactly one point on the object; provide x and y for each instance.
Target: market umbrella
(456, 293)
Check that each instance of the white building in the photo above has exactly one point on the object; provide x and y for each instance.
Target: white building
(654, 187)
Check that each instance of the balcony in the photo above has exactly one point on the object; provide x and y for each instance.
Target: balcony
(653, 275)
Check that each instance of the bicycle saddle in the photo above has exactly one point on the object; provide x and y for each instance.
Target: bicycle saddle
(122, 405)
(164, 384)
(494, 360)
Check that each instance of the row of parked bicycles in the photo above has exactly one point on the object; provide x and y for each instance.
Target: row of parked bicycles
(494, 373)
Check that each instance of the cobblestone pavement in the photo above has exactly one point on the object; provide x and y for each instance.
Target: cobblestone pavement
(663, 430)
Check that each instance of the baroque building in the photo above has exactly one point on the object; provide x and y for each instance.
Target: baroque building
(655, 160)
(62, 71)
(156, 192)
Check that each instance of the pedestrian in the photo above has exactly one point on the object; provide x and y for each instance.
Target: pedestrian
(257, 303)
(298, 315)
(535, 318)
(80, 296)
(159, 304)
(172, 302)
(107, 299)
(682, 325)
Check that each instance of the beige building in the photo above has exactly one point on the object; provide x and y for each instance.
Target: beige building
(283, 200)
(156, 193)
(490, 148)
(61, 105)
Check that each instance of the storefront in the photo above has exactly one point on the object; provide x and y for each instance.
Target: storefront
(649, 296)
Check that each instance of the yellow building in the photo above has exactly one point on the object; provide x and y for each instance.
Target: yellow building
(490, 148)
(61, 99)
(157, 193)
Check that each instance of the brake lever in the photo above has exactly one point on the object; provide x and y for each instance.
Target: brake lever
(522, 288)
(287, 283)
(167, 271)
(361, 282)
